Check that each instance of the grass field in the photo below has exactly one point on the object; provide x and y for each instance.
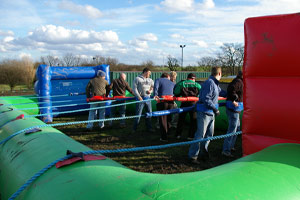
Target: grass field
(164, 161)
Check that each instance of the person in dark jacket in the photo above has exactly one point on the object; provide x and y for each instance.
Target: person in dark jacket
(187, 88)
(97, 87)
(207, 109)
(164, 87)
(119, 87)
(234, 105)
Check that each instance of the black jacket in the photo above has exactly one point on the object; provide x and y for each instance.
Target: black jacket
(235, 90)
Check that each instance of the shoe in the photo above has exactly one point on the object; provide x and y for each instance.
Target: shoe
(101, 127)
(194, 161)
(233, 149)
(190, 138)
(178, 137)
(227, 154)
(163, 140)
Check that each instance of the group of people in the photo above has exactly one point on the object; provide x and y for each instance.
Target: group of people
(202, 117)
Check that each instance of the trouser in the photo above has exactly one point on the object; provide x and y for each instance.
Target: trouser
(205, 129)
(139, 110)
(181, 121)
(233, 126)
(165, 120)
(93, 113)
(122, 110)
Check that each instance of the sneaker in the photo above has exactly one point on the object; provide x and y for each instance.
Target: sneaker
(163, 140)
(190, 138)
(227, 154)
(194, 161)
(178, 137)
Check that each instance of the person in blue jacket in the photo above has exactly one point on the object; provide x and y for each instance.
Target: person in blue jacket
(207, 109)
(164, 87)
(234, 106)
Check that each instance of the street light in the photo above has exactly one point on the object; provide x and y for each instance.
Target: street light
(182, 46)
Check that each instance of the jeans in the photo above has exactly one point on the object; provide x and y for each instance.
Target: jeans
(100, 112)
(234, 126)
(122, 110)
(205, 128)
(139, 109)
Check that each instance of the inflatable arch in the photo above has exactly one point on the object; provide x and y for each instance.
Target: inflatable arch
(273, 173)
(271, 81)
(56, 81)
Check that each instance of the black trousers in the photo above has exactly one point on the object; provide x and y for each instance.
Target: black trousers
(165, 120)
(181, 120)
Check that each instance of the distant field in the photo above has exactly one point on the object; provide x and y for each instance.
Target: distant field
(18, 90)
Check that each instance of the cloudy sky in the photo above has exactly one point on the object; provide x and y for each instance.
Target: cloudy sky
(133, 31)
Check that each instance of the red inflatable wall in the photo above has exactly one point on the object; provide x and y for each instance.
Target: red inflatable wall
(271, 81)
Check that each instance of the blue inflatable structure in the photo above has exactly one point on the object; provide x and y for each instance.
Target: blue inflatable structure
(59, 86)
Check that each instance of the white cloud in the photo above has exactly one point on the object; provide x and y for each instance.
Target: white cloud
(139, 43)
(148, 37)
(186, 6)
(200, 43)
(59, 35)
(176, 36)
(6, 33)
(23, 55)
(177, 5)
(8, 39)
(86, 10)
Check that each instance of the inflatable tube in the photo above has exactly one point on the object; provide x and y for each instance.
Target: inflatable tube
(273, 173)
(23, 102)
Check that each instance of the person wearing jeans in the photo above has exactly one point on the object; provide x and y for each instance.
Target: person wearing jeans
(97, 87)
(92, 113)
(139, 110)
(142, 88)
(207, 109)
(234, 105)
(234, 126)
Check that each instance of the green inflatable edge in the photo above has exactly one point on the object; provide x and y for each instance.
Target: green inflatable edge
(273, 173)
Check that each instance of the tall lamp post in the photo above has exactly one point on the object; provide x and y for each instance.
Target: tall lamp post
(182, 46)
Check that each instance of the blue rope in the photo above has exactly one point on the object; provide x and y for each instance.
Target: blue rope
(41, 97)
(64, 105)
(41, 172)
(68, 123)
(86, 109)
(44, 102)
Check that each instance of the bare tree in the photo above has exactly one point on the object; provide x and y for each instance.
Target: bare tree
(231, 56)
(206, 63)
(173, 63)
(51, 60)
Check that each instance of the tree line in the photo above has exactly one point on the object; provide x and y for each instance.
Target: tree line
(22, 72)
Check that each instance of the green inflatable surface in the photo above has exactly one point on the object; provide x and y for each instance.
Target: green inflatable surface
(273, 173)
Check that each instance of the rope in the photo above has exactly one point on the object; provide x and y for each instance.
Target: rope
(41, 97)
(43, 102)
(41, 172)
(68, 123)
(86, 109)
(64, 105)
